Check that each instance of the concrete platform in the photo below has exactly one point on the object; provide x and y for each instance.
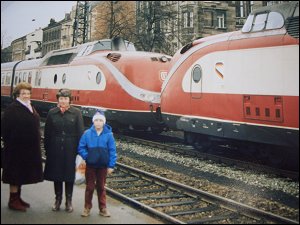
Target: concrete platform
(41, 197)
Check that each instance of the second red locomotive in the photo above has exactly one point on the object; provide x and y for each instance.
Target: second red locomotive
(242, 85)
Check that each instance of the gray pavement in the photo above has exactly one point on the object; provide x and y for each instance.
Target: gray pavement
(41, 197)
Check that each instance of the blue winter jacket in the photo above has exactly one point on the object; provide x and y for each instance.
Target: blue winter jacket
(98, 151)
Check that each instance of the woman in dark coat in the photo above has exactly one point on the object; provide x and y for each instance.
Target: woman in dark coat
(22, 161)
(63, 129)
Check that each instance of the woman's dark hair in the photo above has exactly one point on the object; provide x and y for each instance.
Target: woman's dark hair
(64, 92)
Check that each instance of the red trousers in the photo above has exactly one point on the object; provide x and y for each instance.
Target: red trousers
(95, 178)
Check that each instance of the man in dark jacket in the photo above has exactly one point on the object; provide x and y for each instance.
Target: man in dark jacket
(63, 129)
(22, 161)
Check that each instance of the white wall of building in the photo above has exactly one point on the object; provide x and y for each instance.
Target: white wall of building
(33, 43)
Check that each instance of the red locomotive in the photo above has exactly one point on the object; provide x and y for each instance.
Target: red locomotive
(106, 74)
(241, 85)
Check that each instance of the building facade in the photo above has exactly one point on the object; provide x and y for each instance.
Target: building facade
(34, 44)
(160, 26)
(18, 49)
(51, 37)
(67, 30)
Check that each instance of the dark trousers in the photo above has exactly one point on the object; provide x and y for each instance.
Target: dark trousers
(95, 178)
(58, 188)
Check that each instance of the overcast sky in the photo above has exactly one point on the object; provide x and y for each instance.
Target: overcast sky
(17, 16)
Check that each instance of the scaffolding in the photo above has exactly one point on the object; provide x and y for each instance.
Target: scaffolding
(81, 23)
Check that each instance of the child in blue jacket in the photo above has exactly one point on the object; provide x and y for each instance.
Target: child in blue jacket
(97, 147)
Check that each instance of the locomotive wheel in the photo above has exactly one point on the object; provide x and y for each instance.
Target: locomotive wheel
(156, 131)
(189, 138)
(202, 143)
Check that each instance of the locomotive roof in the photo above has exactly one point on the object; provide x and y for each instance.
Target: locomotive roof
(25, 64)
(286, 9)
(65, 56)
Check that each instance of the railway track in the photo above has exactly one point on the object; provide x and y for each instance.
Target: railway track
(178, 203)
(190, 151)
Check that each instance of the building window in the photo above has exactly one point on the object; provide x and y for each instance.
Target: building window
(274, 2)
(242, 9)
(251, 6)
(208, 19)
(188, 19)
(221, 20)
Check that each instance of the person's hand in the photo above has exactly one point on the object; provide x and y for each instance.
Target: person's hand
(110, 171)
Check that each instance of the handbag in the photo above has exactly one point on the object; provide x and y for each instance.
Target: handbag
(80, 170)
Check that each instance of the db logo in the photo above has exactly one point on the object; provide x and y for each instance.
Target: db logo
(163, 75)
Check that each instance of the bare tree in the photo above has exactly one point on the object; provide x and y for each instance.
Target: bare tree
(115, 18)
(153, 25)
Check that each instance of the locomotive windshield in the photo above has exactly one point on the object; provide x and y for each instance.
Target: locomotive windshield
(263, 21)
(115, 44)
(273, 17)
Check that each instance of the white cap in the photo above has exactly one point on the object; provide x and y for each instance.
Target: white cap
(99, 116)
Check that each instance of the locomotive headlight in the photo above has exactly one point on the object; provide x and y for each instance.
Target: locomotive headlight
(163, 59)
(150, 98)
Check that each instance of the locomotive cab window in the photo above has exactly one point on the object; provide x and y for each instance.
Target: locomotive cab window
(259, 22)
(197, 74)
(247, 26)
(275, 21)
(102, 45)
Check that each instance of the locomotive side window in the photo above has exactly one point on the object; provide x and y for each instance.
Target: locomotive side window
(29, 77)
(98, 78)
(259, 22)
(275, 21)
(197, 74)
(37, 81)
(8, 78)
(36, 78)
(2, 78)
(16, 78)
(24, 76)
(64, 77)
(60, 59)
